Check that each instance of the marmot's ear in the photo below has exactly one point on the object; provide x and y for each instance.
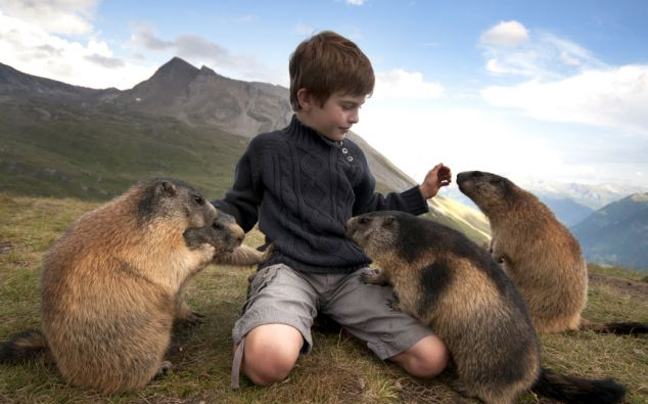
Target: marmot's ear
(497, 180)
(389, 221)
(169, 188)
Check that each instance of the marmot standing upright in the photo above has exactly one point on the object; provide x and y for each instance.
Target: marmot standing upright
(112, 285)
(451, 284)
(541, 255)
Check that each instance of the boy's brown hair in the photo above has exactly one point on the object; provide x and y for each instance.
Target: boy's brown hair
(327, 63)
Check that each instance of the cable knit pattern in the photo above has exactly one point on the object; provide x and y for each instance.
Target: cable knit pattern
(302, 188)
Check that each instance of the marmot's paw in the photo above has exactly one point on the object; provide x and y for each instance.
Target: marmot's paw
(192, 319)
(372, 277)
(165, 368)
(267, 252)
(394, 304)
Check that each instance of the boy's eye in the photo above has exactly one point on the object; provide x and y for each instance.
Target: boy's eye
(349, 107)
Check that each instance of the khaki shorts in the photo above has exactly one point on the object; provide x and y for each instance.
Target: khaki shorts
(279, 294)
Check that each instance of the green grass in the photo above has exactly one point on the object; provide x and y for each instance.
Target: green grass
(340, 369)
(97, 154)
(611, 270)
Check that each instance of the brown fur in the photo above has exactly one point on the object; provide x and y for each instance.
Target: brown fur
(113, 284)
(451, 284)
(538, 253)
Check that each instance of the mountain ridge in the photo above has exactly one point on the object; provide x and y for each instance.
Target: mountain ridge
(617, 234)
(182, 91)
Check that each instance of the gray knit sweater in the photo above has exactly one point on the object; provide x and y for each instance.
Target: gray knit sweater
(302, 188)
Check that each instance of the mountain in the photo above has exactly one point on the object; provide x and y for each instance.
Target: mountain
(590, 196)
(568, 211)
(202, 97)
(17, 85)
(617, 234)
(572, 202)
(67, 141)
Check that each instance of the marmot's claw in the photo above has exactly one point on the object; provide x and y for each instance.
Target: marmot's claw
(367, 277)
(193, 319)
(372, 278)
(165, 368)
(268, 251)
(394, 303)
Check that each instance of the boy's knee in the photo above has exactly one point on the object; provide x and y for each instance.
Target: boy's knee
(270, 353)
(267, 371)
(425, 359)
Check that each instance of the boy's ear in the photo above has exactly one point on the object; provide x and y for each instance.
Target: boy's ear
(305, 99)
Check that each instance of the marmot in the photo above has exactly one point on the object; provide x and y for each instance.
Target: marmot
(538, 253)
(448, 282)
(112, 285)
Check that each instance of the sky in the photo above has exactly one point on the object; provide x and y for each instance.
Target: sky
(534, 91)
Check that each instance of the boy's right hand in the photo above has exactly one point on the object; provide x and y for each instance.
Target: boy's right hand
(439, 176)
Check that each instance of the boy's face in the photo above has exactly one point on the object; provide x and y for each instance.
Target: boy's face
(335, 118)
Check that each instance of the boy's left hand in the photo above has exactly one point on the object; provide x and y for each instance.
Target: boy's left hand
(437, 177)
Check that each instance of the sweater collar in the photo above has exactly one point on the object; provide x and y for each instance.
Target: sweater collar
(297, 127)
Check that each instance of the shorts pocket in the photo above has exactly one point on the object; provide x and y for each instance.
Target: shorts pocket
(259, 280)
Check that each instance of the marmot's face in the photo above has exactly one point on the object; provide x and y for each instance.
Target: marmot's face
(200, 212)
(174, 201)
(485, 189)
(375, 233)
(222, 233)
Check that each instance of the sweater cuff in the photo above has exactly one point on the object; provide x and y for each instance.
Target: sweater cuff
(416, 203)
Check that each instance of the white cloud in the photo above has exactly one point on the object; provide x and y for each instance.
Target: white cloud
(144, 36)
(510, 49)
(509, 34)
(464, 139)
(399, 83)
(613, 97)
(71, 17)
(568, 52)
(201, 51)
(354, 2)
(31, 49)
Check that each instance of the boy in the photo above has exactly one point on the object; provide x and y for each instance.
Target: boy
(302, 183)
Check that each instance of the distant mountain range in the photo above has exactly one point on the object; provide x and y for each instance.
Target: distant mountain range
(617, 234)
(572, 203)
(67, 141)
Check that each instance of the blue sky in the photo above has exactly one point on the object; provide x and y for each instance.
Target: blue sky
(552, 90)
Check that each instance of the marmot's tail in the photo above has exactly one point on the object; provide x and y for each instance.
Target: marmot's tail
(629, 327)
(574, 390)
(23, 346)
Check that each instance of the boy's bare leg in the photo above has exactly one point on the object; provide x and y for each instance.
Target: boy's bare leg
(271, 351)
(425, 359)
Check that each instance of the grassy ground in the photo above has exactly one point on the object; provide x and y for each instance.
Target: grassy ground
(340, 369)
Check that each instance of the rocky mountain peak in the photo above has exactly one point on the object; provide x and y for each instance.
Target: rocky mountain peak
(206, 71)
(176, 73)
